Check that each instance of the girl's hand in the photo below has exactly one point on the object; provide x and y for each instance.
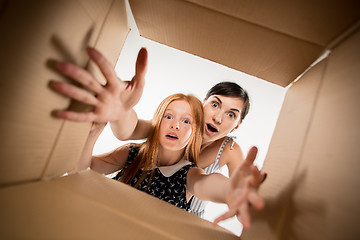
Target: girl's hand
(242, 192)
(110, 101)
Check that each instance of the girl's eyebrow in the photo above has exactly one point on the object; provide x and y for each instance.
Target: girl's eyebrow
(233, 109)
(172, 111)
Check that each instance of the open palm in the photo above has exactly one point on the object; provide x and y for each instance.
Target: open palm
(109, 101)
(242, 192)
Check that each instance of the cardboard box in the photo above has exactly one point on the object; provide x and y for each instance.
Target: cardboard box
(312, 190)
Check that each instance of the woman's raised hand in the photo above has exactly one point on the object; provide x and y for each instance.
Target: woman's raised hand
(109, 101)
(242, 192)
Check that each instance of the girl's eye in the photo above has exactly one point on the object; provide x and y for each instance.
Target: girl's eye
(168, 116)
(187, 121)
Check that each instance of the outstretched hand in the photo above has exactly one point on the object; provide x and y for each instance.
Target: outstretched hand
(109, 101)
(242, 193)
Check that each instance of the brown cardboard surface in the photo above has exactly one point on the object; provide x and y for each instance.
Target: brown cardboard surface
(284, 153)
(32, 34)
(312, 186)
(90, 206)
(327, 199)
(321, 170)
(110, 41)
(35, 144)
(318, 21)
(233, 42)
(112, 37)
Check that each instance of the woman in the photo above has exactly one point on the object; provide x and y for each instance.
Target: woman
(223, 112)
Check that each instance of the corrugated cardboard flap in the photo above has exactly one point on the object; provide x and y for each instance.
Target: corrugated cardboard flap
(257, 38)
(88, 205)
(33, 144)
(312, 191)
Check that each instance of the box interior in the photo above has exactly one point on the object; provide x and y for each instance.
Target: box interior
(312, 186)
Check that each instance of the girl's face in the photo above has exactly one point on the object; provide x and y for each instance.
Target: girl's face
(222, 116)
(176, 126)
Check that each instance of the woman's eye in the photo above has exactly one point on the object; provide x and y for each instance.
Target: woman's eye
(214, 104)
(232, 115)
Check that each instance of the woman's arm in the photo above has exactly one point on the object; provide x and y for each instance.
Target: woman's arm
(139, 130)
(111, 102)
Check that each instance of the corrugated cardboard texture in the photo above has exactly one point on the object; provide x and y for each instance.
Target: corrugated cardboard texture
(244, 38)
(89, 206)
(32, 33)
(314, 174)
(317, 22)
(285, 150)
(111, 38)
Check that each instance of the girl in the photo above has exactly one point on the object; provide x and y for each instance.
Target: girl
(225, 107)
(164, 166)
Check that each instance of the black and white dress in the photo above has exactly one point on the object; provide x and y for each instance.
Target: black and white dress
(168, 183)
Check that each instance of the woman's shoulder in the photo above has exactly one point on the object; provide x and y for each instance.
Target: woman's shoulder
(226, 144)
(231, 153)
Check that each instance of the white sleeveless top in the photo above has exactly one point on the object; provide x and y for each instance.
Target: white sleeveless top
(197, 206)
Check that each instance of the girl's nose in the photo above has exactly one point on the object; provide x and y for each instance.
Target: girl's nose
(175, 124)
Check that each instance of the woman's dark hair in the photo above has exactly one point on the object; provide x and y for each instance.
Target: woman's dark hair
(231, 89)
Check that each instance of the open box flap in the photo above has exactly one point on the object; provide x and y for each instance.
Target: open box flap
(35, 144)
(312, 191)
(88, 205)
(268, 43)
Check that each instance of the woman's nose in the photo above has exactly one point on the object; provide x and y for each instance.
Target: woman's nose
(217, 118)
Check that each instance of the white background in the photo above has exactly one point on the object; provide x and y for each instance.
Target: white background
(172, 71)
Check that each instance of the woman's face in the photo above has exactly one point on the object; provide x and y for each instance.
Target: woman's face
(176, 126)
(222, 115)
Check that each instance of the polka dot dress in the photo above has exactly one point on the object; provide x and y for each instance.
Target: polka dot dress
(171, 189)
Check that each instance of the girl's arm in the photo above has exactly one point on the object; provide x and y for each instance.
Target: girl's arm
(110, 162)
(234, 191)
(86, 155)
(105, 163)
(212, 187)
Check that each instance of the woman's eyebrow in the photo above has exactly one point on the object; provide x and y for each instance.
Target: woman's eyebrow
(233, 109)
(218, 99)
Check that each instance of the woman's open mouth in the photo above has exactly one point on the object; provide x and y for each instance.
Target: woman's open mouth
(211, 129)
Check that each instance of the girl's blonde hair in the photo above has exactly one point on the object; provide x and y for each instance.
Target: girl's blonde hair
(148, 153)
